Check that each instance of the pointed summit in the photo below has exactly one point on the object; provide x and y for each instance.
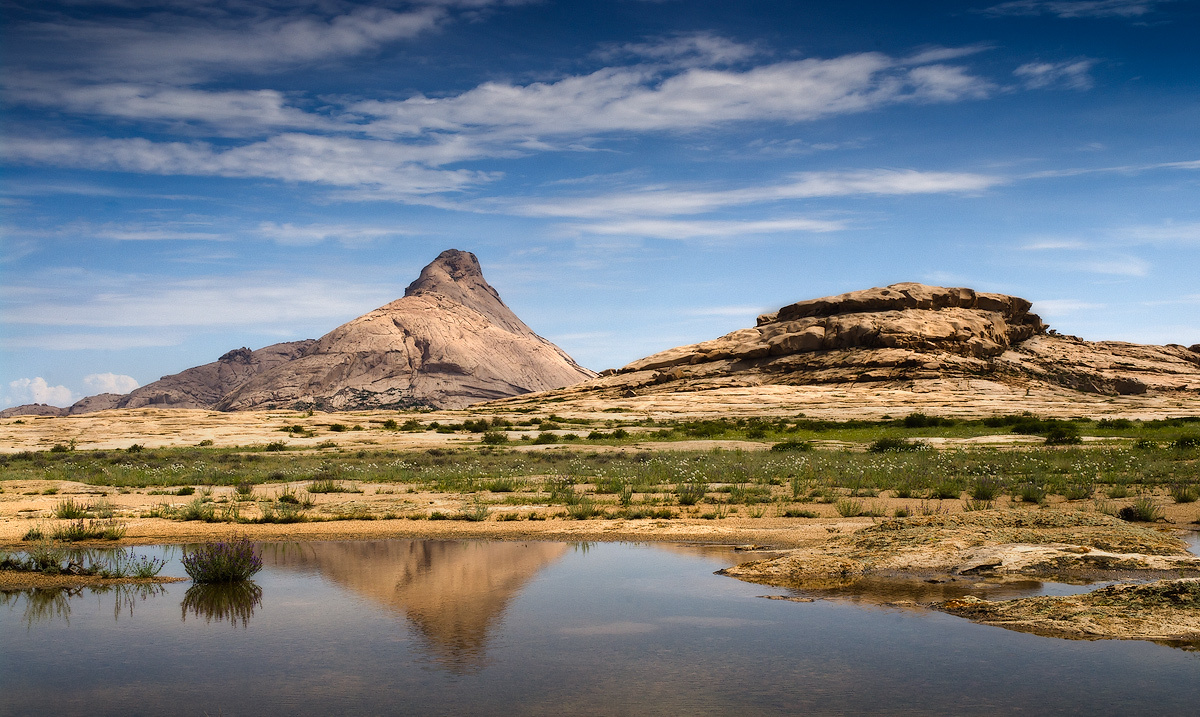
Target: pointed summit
(457, 276)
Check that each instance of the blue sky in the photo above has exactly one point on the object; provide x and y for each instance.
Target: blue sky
(182, 178)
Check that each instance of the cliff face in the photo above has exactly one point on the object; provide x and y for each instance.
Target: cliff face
(900, 334)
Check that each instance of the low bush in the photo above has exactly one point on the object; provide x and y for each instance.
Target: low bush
(885, 445)
(223, 562)
(792, 446)
(1143, 510)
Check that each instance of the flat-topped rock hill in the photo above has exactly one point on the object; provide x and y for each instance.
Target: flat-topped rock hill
(900, 336)
(449, 342)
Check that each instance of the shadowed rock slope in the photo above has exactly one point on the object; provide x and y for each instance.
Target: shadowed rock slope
(902, 335)
(448, 343)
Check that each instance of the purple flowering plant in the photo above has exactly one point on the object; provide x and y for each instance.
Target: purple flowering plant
(223, 562)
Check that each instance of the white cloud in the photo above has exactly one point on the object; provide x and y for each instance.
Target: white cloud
(677, 229)
(291, 157)
(1062, 307)
(231, 113)
(726, 311)
(190, 43)
(93, 341)
(1041, 75)
(110, 383)
(657, 201)
(640, 98)
(697, 49)
(1166, 233)
(245, 300)
(1054, 245)
(1115, 266)
(1076, 8)
(304, 235)
(36, 390)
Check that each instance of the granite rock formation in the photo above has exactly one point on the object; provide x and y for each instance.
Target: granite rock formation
(450, 341)
(898, 335)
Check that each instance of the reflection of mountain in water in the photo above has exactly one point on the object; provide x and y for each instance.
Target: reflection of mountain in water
(453, 592)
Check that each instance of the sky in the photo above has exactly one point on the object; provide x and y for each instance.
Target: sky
(182, 178)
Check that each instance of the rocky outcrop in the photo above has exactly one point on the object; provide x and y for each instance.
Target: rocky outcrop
(99, 402)
(32, 409)
(449, 342)
(898, 335)
(205, 386)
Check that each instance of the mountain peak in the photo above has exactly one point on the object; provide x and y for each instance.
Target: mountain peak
(456, 275)
(452, 271)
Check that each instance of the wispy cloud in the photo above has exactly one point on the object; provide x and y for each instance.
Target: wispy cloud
(1077, 8)
(292, 157)
(641, 98)
(190, 42)
(307, 234)
(1043, 75)
(1063, 307)
(700, 228)
(661, 201)
(1165, 233)
(226, 301)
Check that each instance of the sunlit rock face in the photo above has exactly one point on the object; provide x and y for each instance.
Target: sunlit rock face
(899, 335)
(449, 342)
(453, 592)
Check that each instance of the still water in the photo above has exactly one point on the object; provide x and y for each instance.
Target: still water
(460, 627)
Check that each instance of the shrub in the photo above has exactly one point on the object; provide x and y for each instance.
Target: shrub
(135, 448)
(494, 438)
(185, 490)
(691, 492)
(70, 510)
(205, 443)
(391, 425)
(545, 438)
(792, 446)
(1078, 491)
(1143, 510)
(1186, 442)
(884, 445)
(1063, 434)
(1145, 444)
(1183, 493)
(986, 488)
(326, 485)
(223, 562)
(1031, 493)
(275, 446)
(849, 508)
(799, 513)
(338, 427)
(583, 509)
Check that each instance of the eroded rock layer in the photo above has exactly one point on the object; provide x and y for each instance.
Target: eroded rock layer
(901, 334)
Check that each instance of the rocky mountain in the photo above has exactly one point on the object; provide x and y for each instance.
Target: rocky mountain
(450, 341)
(902, 334)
